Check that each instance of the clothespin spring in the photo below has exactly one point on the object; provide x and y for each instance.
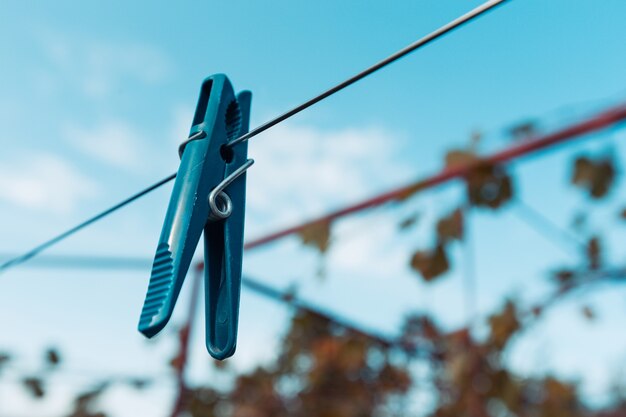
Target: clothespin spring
(219, 202)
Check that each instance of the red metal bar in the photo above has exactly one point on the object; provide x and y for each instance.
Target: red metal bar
(598, 122)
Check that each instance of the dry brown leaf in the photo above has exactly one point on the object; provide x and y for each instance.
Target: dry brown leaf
(594, 255)
(458, 158)
(457, 367)
(53, 357)
(504, 325)
(326, 350)
(431, 264)
(564, 276)
(85, 402)
(559, 392)
(488, 185)
(394, 379)
(409, 221)
(316, 235)
(583, 170)
(595, 176)
(353, 355)
(34, 386)
(451, 227)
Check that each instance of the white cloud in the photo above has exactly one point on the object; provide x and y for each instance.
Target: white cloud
(302, 171)
(113, 142)
(368, 247)
(44, 182)
(99, 68)
(121, 144)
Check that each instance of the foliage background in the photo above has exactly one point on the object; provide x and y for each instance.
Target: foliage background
(95, 97)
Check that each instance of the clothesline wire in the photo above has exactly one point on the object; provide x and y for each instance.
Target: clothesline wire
(42, 247)
(460, 21)
(456, 23)
(606, 119)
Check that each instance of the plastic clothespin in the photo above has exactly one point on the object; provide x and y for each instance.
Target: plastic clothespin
(209, 196)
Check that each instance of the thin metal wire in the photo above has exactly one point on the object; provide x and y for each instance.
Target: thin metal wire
(569, 242)
(196, 136)
(460, 21)
(38, 249)
(379, 65)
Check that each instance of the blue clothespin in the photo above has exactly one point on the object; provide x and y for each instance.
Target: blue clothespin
(209, 196)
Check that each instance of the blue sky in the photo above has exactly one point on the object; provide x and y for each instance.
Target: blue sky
(95, 97)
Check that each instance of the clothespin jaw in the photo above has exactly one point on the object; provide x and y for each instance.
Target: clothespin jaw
(223, 248)
(209, 196)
